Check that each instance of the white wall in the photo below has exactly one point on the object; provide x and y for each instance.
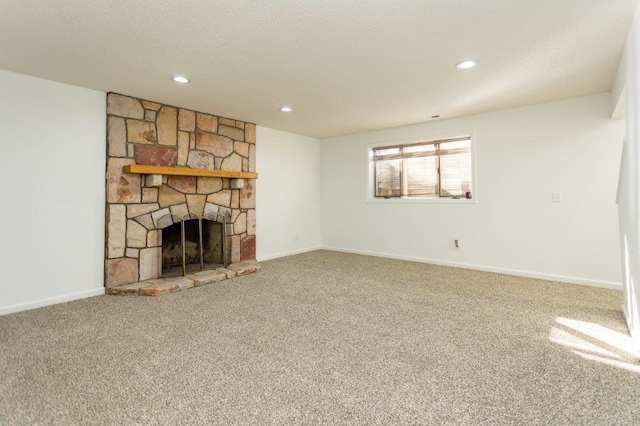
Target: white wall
(52, 172)
(288, 194)
(618, 91)
(522, 156)
(629, 186)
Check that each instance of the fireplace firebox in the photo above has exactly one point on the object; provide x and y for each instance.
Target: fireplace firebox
(193, 244)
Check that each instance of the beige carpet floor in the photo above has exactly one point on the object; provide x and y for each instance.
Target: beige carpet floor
(327, 338)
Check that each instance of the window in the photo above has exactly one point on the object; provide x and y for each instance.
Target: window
(434, 169)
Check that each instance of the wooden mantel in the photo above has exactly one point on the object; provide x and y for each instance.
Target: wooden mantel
(186, 171)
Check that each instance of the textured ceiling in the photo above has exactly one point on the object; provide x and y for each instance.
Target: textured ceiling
(344, 66)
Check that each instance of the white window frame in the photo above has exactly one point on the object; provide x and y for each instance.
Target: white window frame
(370, 185)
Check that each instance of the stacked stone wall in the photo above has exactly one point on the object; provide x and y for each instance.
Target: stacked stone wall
(150, 133)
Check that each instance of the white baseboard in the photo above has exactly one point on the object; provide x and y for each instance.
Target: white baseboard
(528, 274)
(288, 253)
(550, 277)
(51, 301)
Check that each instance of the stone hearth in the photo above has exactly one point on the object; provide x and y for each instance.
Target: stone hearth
(159, 286)
(140, 206)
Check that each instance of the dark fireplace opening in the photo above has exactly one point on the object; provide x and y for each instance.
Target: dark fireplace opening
(212, 247)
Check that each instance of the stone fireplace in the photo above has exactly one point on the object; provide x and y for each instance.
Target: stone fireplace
(169, 169)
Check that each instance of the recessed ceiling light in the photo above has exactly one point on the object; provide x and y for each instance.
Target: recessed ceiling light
(180, 79)
(285, 109)
(466, 64)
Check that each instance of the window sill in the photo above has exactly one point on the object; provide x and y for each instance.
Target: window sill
(422, 200)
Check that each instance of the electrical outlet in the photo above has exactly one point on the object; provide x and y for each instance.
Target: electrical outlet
(556, 197)
(456, 244)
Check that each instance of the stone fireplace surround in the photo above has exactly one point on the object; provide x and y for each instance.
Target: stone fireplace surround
(141, 132)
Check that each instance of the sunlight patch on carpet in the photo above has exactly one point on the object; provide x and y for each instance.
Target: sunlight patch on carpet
(595, 342)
